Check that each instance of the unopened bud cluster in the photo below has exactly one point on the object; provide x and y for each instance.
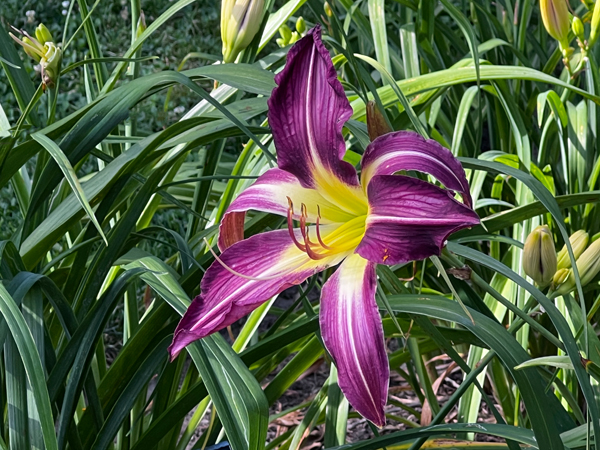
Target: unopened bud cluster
(545, 266)
(288, 36)
(588, 266)
(562, 26)
(43, 50)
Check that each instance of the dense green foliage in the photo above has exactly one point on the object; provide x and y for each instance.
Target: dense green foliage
(108, 204)
(194, 28)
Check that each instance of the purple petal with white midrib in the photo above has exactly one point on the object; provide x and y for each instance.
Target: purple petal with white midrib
(352, 332)
(307, 112)
(226, 297)
(407, 150)
(410, 219)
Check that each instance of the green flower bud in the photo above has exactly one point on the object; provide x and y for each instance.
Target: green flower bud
(555, 15)
(31, 49)
(295, 37)
(141, 25)
(560, 277)
(300, 25)
(579, 241)
(327, 9)
(594, 25)
(539, 255)
(240, 21)
(376, 123)
(588, 265)
(286, 33)
(578, 28)
(42, 34)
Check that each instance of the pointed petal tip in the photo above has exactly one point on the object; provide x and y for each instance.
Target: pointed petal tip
(352, 332)
(379, 422)
(178, 344)
(375, 415)
(173, 351)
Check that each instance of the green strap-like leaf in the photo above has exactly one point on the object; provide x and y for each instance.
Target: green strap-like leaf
(459, 74)
(63, 162)
(532, 387)
(32, 364)
(237, 396)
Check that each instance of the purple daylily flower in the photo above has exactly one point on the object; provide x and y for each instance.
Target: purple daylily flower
(381, 219)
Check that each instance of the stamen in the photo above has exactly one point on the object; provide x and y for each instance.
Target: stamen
(318, 231)
(229, 269)
(303, 221)
(304, 230)
(290, 219)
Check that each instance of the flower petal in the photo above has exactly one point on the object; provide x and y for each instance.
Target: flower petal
(407, 150)
(353, 334)
(226, 297)
(270, 194)
(410, 219)
(306, 113)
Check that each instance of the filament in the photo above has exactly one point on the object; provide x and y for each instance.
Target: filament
(290, 216)
(318, 230)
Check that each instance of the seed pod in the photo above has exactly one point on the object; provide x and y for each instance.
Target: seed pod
(555, 15)
(47, 54)
(579, 241)
(539, 255)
